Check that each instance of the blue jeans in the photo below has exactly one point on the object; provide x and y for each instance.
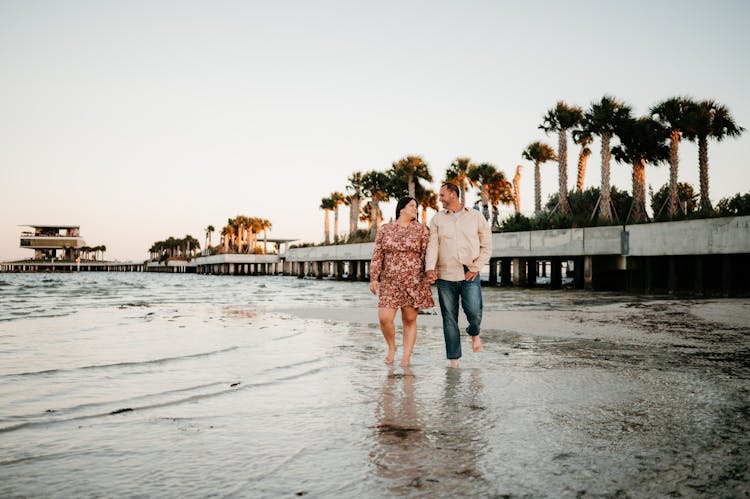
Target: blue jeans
(470, 293)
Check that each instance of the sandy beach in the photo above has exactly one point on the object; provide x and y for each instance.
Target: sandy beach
(722, 324)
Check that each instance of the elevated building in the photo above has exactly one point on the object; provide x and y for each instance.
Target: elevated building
(47, 240)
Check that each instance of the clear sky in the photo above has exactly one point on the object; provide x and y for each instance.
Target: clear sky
(140, 120)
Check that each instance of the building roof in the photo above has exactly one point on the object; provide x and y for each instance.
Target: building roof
(51, 226)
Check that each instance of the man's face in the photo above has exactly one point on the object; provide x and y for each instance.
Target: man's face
(447, 197)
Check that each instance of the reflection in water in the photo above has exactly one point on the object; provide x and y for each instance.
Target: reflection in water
(426, 447)
(401, 440)
(462, 439)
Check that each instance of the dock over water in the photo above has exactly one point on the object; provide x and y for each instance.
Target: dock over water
(695, 256)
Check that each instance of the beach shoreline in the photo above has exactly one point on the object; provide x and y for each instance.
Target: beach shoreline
(721, 323)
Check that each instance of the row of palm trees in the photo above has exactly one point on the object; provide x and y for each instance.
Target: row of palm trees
(366, 191)
(650, 139)
(174, 248)
(85, 252)
(240, 235)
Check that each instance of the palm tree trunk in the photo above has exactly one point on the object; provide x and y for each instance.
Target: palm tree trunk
(353, 215)
(462, 189)
(604, 197)
(485, 202)
(336, 223)
(583, 157)
(411, 186)
(639, 191)
(374, 212)
(562, 151)
(703, 170)
(673, 166)
(326, 228)
(537, 188)
(517, 190)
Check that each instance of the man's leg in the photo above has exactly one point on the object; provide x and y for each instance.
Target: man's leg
(471, 302)
(448, 297)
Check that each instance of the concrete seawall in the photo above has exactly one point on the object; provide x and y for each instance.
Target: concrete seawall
(696, 256)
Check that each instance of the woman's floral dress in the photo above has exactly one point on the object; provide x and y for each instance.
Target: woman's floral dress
(398, 263)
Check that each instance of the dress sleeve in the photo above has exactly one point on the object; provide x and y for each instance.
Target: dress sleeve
(425, 242)
(376, 263)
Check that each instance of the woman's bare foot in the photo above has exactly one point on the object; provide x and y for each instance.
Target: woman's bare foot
(391, 354)
(476, 343)
(453, 363)
(404, 362)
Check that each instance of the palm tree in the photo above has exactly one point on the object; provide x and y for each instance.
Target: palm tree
(560, 119)
(426, 198)
(209, 230)
(602, 119)
(539, 153)
(500, 191)
(189, 245)
(708, 119)
(354, 187)
(262, 225)
(642, 141)
(458, 173)
(517, 189)
(376, 186)
(673, 113)
(227, 235)
(483, 176)
(411, 169)
(338, 200)
(583, 139)
(327, 204)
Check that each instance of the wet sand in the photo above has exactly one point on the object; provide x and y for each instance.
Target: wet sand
(575, 395)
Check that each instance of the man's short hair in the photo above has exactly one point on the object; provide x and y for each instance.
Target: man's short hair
(451, 187)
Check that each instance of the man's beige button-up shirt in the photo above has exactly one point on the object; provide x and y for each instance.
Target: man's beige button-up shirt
(456, 241)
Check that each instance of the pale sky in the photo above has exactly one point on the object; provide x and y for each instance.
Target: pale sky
(140, 120)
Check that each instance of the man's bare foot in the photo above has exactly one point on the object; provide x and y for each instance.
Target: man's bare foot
(404, 362)
(476, 343)
(453, 363)
(390, 356)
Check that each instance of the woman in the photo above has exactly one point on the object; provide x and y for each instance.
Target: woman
(397, 276)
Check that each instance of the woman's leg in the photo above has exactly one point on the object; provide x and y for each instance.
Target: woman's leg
(409, 320)
(386, 316)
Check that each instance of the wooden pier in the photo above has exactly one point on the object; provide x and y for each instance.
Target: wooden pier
(63, 266)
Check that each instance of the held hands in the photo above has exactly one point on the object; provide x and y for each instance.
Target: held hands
(374, 287)
(470, 276)
(430, 276)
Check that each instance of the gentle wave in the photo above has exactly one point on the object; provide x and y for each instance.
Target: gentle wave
(122, 364)
(235, 386)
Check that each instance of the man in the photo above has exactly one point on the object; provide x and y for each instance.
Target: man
(460, 245)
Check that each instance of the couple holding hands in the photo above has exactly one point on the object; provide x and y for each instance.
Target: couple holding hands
(409, 256)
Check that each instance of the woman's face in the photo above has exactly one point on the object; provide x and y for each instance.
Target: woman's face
(410, 210)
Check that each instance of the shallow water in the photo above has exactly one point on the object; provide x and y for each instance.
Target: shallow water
(129, 384)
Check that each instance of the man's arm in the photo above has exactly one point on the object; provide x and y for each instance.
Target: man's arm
(485, 244)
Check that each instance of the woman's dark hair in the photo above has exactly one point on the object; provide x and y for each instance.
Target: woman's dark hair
(402, 203)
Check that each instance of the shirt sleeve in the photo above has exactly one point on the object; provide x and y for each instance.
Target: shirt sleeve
(432, 246)
(485, 244)
(376, 263)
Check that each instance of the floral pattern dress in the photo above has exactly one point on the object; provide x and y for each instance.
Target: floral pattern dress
(398, 263)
